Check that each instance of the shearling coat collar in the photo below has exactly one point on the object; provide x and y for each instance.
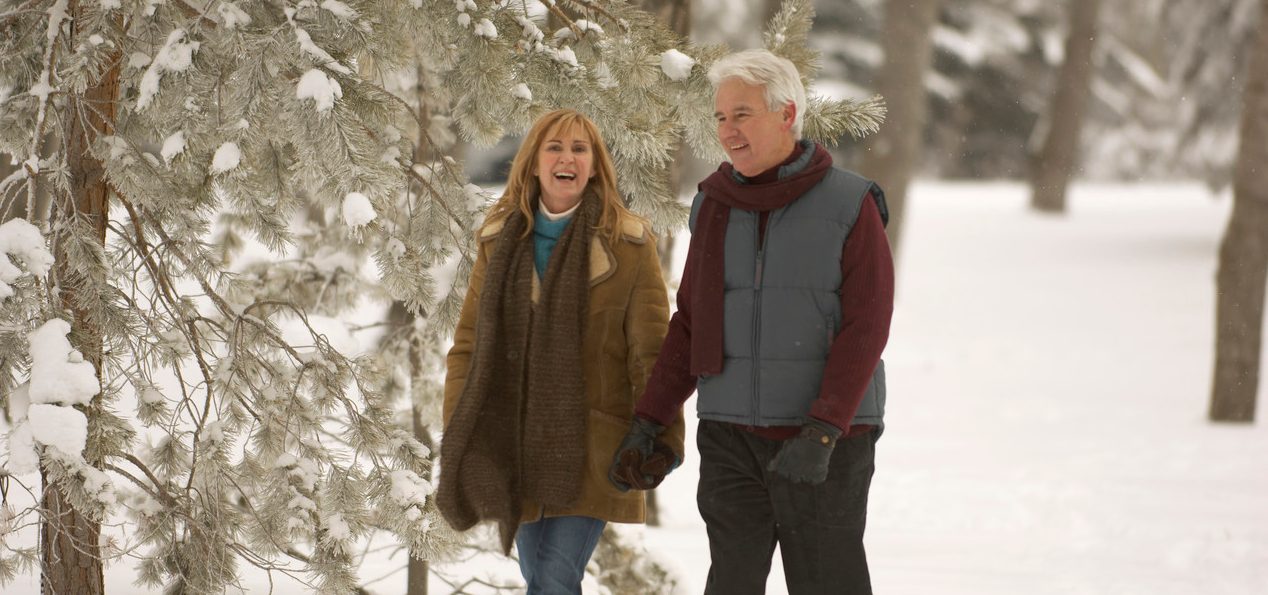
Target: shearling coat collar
(602, 260)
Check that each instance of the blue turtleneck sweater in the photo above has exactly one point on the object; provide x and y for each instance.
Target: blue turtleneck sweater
(546, 233)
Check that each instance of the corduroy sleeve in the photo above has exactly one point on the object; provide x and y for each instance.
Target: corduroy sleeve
(671, 382)
(458, 362)
(867, 305)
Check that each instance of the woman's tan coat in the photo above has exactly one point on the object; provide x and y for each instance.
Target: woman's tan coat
(627, 321)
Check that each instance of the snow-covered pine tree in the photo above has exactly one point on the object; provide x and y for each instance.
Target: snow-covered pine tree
(211, 404)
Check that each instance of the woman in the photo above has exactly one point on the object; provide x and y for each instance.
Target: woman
(559, 330)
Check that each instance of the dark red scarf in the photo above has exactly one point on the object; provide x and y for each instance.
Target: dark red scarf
(723, 192)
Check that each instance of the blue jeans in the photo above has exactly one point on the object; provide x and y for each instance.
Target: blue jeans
(554, 552)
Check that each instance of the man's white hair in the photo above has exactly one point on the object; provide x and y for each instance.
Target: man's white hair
(776, 75)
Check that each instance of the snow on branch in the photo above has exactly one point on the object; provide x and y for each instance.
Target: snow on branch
(21, 240)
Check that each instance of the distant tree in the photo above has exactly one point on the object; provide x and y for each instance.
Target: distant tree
(1243, 268)
(893, 153)
(1057, 161)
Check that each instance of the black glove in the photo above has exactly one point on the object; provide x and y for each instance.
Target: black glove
(805, 458)
(642, 460)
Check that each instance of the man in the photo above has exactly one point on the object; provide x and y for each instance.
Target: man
(783, 312)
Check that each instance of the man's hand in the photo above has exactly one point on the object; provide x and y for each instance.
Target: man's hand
(805, 457)
(642, 461)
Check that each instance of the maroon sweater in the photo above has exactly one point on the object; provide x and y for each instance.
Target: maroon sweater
(867, 299)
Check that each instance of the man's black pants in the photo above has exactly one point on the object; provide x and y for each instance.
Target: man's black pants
(748, 509)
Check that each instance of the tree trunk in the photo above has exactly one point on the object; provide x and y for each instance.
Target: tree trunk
(1057, 160)
(70, 558)
(418, 568)
(1243, 271)
(893, 153)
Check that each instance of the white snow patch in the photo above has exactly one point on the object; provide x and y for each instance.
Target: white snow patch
(21, 240)
(151, 396)
(337, 532)
(564, 55)
(232, 16)
(676, 65)
(176, 55)
(306, 44)
(319, 87)
(110, 4)
(307, 472)
(98, 485)
(227, 157)
(530, 30)
(408, 488)
(172, 146)
(339, 9)
(62, 428)
(521, 91)
(138, 60)
(476, 197)
(213, 433)
(394, 248)
(583, 25)
(603, 76)
(59, 373)
(56, 14)
(23, 457)
(464, 19)
(444, 272)
(19, 401)
(357, 210)
(41, 90)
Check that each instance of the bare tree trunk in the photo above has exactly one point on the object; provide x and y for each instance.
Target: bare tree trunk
(1243, 272)
(400, 318)
(1057, 160)
(418, 569)
(70, 557)
(893, 153)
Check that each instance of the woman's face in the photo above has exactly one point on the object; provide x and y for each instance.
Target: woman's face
(565, 162)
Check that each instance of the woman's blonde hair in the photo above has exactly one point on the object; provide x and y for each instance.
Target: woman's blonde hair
(522, 187)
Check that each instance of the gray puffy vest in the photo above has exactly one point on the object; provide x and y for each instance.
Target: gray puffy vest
(783, 310)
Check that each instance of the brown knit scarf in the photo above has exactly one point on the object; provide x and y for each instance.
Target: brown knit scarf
(722, 192)
(518, 431)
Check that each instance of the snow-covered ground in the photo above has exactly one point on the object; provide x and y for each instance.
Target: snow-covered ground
(1046, 428)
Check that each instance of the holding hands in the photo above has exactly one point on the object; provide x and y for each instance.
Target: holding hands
(642, 460)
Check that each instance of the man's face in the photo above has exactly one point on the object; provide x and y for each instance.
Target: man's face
(755, 138)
